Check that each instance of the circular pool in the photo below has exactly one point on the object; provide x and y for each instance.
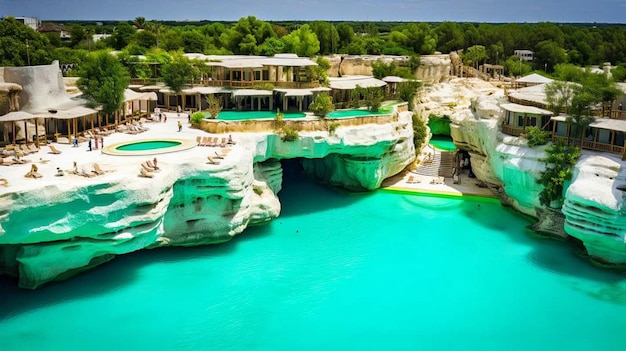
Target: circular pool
(148, 147)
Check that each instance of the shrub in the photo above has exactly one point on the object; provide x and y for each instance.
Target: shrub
(257, 189)
(196, 118)
(322, 104)
(419, 132)
(289, 134)
(263, 86)
(279, 122)
(559, 164)
(214, 105)
(535, 136)
(332, 127)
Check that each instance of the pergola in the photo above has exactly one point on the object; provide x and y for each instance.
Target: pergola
(253, 93)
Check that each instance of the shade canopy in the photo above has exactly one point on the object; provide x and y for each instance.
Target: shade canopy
(16, 116)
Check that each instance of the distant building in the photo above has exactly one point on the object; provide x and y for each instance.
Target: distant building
(29, 21)
(64, 33)
(524, 55)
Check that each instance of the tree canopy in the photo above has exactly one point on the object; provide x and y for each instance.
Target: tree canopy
(103, 80)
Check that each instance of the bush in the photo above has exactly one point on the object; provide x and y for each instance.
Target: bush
(332, 127)
(419, 132)
(322, 104)
(196, 118)
(289, 134)
(559, 164)
(279, 122)
(257, 189)
(214, 105)
(535, 136)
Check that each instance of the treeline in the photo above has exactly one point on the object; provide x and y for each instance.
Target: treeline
(553, 44)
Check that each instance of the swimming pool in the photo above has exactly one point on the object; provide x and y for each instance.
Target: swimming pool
(148, 147)
(246, 115)
(356, 113)
(442, 143)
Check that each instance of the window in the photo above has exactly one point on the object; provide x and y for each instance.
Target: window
(561, 129)
(604, 136)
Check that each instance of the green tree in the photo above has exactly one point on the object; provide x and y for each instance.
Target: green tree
(449, 37)
(345, 34)
(474, 55)
(322, 104)
(549, 53)
(103, 80)
(568, 72)
(302, 42)
(214, 105)
(145, 39)
(558, 169)
(20, 45)
(516, 67)
(407, 91)
(77, 34)
(327, 35)
(139, 22)
(419, 132)
(122, 35)
(559, 95)
(177, 73)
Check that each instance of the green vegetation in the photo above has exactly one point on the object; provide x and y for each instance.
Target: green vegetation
(419, 132)
(535, 136)
(279, 120)
(214, 105)
(332, 127)
(407, 91)
(559, 164)
(197, 118)
(288, 134)
(178, 72)
(322, 104)
(257, 189)
(103, 80)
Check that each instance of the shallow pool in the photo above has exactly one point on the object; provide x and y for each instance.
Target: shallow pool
(148, 145)
(246, 115)
(443, 143)
(356, 113)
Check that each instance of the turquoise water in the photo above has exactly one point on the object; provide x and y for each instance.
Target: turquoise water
(443, 143)
(148, 145)
(379, 271)
(355, 113)
(245, 115)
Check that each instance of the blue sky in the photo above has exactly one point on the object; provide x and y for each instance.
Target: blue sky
(588, 11)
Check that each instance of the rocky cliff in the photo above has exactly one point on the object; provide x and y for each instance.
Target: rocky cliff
(593, 209)
(432, 69)
(55, 227)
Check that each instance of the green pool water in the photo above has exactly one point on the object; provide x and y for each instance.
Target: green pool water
(443, 143)
(336, 271)
(356, 113)
(148, 145)
(246, 115)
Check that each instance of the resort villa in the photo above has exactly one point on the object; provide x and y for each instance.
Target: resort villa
(528, 107)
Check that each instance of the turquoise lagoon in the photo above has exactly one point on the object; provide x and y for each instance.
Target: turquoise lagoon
(337, 271)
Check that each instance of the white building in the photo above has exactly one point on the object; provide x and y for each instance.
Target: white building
(29, 21)
(524, 55)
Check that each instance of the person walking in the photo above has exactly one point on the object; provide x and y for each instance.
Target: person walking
(89, 144)
(180, 126)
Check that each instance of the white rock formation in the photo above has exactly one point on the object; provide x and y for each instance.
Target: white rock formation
(54, 227)
(593, 209)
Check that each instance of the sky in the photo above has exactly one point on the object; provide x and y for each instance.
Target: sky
(495, 11)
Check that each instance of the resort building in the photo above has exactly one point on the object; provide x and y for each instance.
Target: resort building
(255, 83)
(528, 106)
(524, 55)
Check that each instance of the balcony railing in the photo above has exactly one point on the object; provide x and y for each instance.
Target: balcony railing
(511, 130)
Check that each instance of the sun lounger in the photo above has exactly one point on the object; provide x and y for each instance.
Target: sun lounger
(145, 174)
(199, 140)
(97, 170)
(54, 150)
(213, 160)
(6, 162)
(152, 165)
(86, 172)
(206, 141)
(33, 148)
(4, 182)
(223, 143)
(411, 180)
(146, 166)
(33, 175)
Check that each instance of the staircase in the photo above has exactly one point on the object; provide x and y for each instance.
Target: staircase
(442, 165)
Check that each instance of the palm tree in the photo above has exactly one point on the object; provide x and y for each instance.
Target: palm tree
(154, 27)
(139, 22)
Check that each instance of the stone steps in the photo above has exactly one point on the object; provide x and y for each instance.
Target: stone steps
(442, 165)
